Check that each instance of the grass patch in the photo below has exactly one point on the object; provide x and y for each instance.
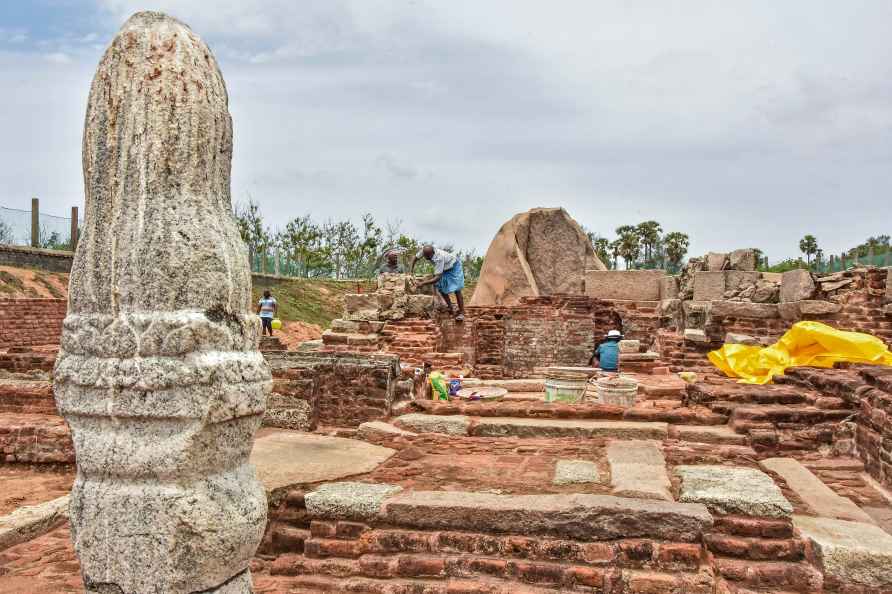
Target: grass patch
(311, 301)
(9, 283)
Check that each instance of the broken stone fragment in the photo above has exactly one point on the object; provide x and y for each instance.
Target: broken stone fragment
(732, 338)
(742, 260)
(818, 308)
(695, 335)
(833, 286)
(716, 261)
(796, 285)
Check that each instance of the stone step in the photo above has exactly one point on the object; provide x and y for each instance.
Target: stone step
(574, 516)
(717, 434)
(744, 416)
(531, 427)
(849, 553)
(733, 490)
(822, 500)
(638, 469)
(512, 385)
(768, 576)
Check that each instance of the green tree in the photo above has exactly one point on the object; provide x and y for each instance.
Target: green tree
(676, 244)
(629, 244)
(6, 233)
(808, 245)
(259, 239)
(649, 236)
(301, 240)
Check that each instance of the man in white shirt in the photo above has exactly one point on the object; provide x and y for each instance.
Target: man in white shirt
(448, 276)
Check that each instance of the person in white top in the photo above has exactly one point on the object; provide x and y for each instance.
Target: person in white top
(448, 276)
(267, 308)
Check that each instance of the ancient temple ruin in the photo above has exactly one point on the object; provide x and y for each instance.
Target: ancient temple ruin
(143, 473)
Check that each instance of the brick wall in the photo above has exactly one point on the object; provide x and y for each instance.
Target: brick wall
(31, 322)
(343, 389)
(513, 341)
(28, 257)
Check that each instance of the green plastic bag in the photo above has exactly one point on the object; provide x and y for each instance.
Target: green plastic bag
(439, 391)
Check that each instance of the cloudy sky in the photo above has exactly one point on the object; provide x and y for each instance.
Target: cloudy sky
(744, 123)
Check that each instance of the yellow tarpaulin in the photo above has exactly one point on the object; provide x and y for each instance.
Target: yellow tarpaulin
(806, 343)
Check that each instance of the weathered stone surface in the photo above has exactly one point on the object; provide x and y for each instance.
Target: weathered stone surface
(696, 313)
(716, 261)
(708, 434)
(371, 429)
(796, 285)
(638, 469)
(828, 287)
(668, 287)
(448, 424)
(695, 335)
(573, 472)
(539, 252)
(766, 291)
(30, 521)
(818, 308)
(576, 516)
(288, 458)
(512, 385)
(813, 492)
(789, 311)
(634, 285)
(732, 338)
(742, 260)
(709, 285)
(629, 346)
(158, 375)
(742, 309)
(349, 500)
(729, 490)
(852, 553)
(517, 427)
(738, 279)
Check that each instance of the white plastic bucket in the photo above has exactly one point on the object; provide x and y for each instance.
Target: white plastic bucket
(564, 390)
(617, 390)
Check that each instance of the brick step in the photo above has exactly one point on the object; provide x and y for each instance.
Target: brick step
(35, 397)
(769, 576)
(35, 439)
(318, 584)
(746, 416)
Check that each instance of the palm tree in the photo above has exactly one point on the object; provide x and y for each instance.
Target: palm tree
(808, 245)
(676, 244)
(649, 234)
(629, 244)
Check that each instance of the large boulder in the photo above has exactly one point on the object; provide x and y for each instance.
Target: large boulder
(539, 252)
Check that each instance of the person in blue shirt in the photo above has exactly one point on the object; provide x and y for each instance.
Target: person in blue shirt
(607, 353)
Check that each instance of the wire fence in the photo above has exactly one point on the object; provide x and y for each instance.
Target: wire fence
(54, 232)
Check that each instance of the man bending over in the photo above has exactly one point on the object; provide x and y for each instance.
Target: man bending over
(448, 276)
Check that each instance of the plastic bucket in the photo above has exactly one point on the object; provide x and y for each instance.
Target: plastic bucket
(565, 390)
(617, 390)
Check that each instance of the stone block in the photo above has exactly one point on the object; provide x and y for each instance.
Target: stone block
(851, 553)
(695, 335)
(775, 277)
(736, 279)
(822, 500)
(348, 500)
(30, 521)
(796, 285)
(631, 285)
(696, 313)
(789, 311)
(818, 308)
(638, 469)
(716, 261)
(709, 285)
(377, 429)
(548, 428)
(419, 304)
(743, 309)
(344, 326)
(574, 516)
(732, 338)
(573, 472)
(742, 260)
(669, 287)
(629, 346)
(732, 490)
(448, 424)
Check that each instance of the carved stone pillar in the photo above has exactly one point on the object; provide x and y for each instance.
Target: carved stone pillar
(159, 376)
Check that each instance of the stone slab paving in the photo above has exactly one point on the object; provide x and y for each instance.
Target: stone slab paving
(718, 434)
(850, 552)
(31, 521)
(448, 424)
(733, 490)
(512, 385)
(380, 429)
(577, 516)
(517, 427)
(822, 500)
(638, 469)
(285, 458)
(574, 472)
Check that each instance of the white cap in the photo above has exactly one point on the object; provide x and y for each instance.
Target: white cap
(613, 333)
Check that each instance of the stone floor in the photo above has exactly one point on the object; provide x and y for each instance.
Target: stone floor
(681, 493)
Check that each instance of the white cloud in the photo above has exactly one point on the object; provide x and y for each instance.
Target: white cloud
(742, 124)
